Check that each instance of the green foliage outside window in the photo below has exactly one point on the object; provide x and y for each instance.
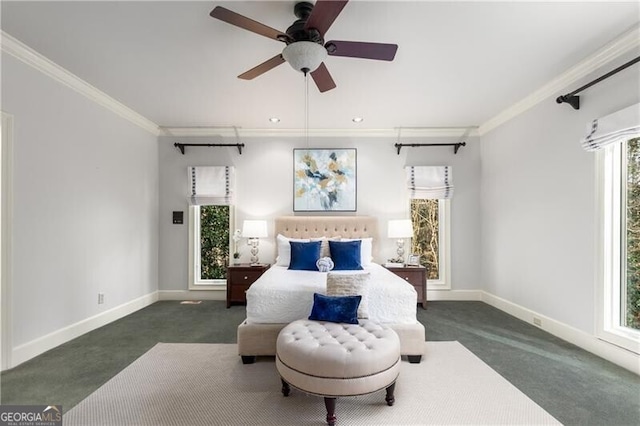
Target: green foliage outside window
(424, 217)
(214, 242)
(633, 234)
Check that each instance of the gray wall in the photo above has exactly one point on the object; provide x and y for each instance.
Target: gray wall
(85, 205)
(539, 203)
(264, 190)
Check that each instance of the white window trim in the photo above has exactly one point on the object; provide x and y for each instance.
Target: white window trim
(195, 281)
(444, 247)
(6, 220)
(609, 251)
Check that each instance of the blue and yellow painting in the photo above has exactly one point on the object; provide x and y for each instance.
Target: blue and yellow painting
(324, 179)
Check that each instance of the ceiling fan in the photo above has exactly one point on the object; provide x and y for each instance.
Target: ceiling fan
(305, 48)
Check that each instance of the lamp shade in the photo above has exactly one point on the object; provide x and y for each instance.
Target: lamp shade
(401, 228)
(254, 229)
(304, 55)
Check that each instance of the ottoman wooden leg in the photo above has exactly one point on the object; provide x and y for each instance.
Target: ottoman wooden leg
(330, 403)
(247, 359)
(390, 398)
(414, 359)
(285, 388)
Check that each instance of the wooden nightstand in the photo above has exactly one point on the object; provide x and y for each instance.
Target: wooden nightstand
(417, 277)
(239, 278)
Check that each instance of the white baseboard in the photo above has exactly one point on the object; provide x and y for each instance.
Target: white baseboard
(192, 294)
(586, 341)
(38, 346)
(460, 295)
(612, 353)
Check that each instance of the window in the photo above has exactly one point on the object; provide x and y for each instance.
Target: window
(631, 298)
(619, 297)
(209, 246)
(430, 220)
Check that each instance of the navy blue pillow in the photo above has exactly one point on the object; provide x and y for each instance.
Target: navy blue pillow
(342, 309)
(346, 255)
(304, 255)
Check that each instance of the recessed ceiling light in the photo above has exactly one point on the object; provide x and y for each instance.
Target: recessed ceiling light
(274, 120)
(357, 119)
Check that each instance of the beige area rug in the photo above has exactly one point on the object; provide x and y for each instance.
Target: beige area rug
(207, 384)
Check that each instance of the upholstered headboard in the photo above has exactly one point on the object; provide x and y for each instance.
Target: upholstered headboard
(328, 226)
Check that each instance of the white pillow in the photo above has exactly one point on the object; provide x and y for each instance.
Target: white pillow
(350, 285)
(366, 249)
(284, 249)
(324, 244)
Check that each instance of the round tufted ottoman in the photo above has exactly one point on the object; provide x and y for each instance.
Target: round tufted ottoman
(333, 359)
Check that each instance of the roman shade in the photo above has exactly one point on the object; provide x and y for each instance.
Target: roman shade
(617, 127)
(429, 182)
(212, 185)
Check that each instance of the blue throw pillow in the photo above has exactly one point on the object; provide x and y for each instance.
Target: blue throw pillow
(346, 255)
(342, 309)
(304, 255)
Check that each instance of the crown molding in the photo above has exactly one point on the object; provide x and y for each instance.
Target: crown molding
(24, 53)
(395, 133)
(34, 59)
(611, 51)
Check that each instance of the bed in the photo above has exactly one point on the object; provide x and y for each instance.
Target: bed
(281, 296)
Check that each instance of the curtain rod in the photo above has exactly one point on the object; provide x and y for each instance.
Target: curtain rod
(181, 146)
(574, 100)
(456, 145)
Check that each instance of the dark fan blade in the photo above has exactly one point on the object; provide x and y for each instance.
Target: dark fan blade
(324, 13)
(248, 24)
(323, 79)
(357, 49)
(262, 68)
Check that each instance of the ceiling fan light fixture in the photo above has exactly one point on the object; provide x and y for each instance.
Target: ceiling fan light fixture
(304, 56)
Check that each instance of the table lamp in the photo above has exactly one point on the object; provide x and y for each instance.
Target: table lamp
(254, 230)
(400, 229)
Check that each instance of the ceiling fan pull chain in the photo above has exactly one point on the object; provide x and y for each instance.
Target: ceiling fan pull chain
(306, 108)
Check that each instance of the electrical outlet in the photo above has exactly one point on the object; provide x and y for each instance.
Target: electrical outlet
(100, 298)
(537, 321)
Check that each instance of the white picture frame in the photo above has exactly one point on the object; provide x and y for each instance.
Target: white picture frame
(413, 260)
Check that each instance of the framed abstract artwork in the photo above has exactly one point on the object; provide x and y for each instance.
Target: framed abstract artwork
(324, 180)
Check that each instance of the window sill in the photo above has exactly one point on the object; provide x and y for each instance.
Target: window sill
(624, 338)
(209, 285)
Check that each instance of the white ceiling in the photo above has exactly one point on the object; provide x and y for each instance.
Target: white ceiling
(458, 63)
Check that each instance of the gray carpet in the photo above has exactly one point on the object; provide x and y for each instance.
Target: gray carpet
(204, 384)
(574, 386)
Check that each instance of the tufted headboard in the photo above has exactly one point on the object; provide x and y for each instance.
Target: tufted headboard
(328, 226)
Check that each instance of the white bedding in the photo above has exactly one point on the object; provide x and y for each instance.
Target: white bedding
(281, 295)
